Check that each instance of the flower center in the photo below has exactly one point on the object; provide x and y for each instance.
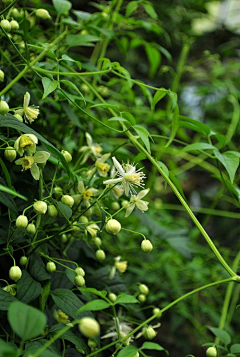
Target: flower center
(25, 142)
(87, 195)
(97, 150)
(27, 162)
(103, 167)
(134, 178)
(62, 315)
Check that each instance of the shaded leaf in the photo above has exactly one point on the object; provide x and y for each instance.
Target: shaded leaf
(28, 289)
(68, 302)
(128, 351)
(49, 86)
(5, 300)
(221, 334)
(230, 161)
(62, 6)
(126, 299)
(94, 305)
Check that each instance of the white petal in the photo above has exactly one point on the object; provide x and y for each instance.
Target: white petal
(41, 157)
(18, 162)
(142, 193)
(26, 100)
(16, 144)
(89, 139)
(131, 169)
(103, 158)
(33, 138)
(120, 179)
(142, 205)
(129, 209)
(81, 187)
(118, 166)
(126, 187)
(35, 171)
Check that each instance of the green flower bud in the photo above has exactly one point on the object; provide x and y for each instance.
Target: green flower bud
(10, 153)
(89, 327)
(103, 91)
(157, 311)
(51, 267)
(89, 212)
(1, 76)
(92, 344)
(7, 2)
(18, 117)
(79, 280)
(113, 226)
(211, 352)
(52, 211)
(4, 108)
(31, 229)
(83, 219)
(15, 273)
(40, 207)
(80, 271)
(67, 156)
(115, 206)
(112, 297)
(23, 260)
(100, 255)
(146, 246)
(21, 222)
(149, 333)
(14, 25)
(67, 200)
(142, 297)
(125, 203)
(5, 25)
(143, 289)
(15, 13)
(64, 238)
(43, 14)
(84, 87)
(58, 191)
(97, 241)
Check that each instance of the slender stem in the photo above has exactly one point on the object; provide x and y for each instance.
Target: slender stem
(75, 74)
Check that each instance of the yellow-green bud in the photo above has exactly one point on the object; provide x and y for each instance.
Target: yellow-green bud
(52, 211)
(98, 241)
(115, 206)
(10, 153)
(146, 246)
(67, 156)
(5, 25)
(14, 25)
(157, 311)
(84, 87)
(149, 333)
(143, 289)
(112, 297)
(15, 13)
(80, 271)
(40, 207)
(58, 191)
(89, 327)
(23, 260)
(31, 229)
(211, 352)
(7, 2)
(103, 91)
(83, 219)
(113, 226)
(125, 203)
(18, 117)
(21, 222)
(4, 108)
(136, 355)
(1, 76)
(92, 344)
(100, 255)
(142, 297)
(88, 213)
(79, 280)
(43, 14)
(51, 267)
(67, 200)
(15, 273)
(64, 238)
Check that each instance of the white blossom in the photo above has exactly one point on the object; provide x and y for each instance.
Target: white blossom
(136, 201)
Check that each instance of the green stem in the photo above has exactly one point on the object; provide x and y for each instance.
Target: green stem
(75, 74)
(8, 7)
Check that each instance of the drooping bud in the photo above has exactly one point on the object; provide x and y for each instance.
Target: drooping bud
(58, 191)
(97, 241)
(67, 200)
(15, 273)
(142, 297)
(146, 246)
(1, 76)
(100, 255)
(67, 156)
(10, 153)
(21, 222)
(143, 289)
(113, 226)
(79, 280)
(14, 25)
(4, 108)
(5, 25)
(80, 271)
(89, 327)
(51, 267)
(92, 344)
(43, 14)
(115, 206)
(18, 117)
(23, 260)
(149, 333)
(64, 238)
(112, 297)
(52, 211)
(83, 219)
(157, 311)
(15, 13)
(40, 207)
(31, 229)
(211, 352)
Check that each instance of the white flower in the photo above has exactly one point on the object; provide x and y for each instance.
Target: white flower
(136, 201)
(100, 166)
(119, 265)
(124, 327)
(86, 193)
(31, 112)
(92, 229)
(129, 177)
(90, 149)
(30, 162)
(26, 142)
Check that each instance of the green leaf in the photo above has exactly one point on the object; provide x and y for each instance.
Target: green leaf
(128, 351)
(49, 86)
(27, 288)
(37, 268)
(160, 93)
(65, 210)
(221, 334)
(5, 300)
(131, 6)
(12, 192)
(144, 135)
(235, 348)
(230, 161)
(68, 302)
(26, 321)
(67, 58)
(94, 305)
(32, 347)
(152, 346)
(119, 119)
(129, 117)
(196, 125)
(163, 167)
(81, 40)
(154, 59)
(94, 291)
(72, 85)
(62, 6)
(7, 349)
(44, 296)
(199, 146)
(175, 118)
(105, 105)
(150, 10)
(6, 198)
(126, 299)
(69, 336)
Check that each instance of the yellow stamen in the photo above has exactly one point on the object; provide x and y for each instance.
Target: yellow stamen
(87, 195)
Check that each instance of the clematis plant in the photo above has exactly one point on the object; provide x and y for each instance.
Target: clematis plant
(31, 162)
(136, 201)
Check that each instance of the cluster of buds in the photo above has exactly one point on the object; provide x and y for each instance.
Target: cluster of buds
(144, 290)
(9, 26)
(79, 278)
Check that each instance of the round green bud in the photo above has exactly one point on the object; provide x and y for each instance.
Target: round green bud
(52, 211)
(10, 153)
(4, 108)
(92, 344)
(113, 226)
(58, 191)
(23, 260)
(149, 333)
(115, 206)
(5, 25)
(146, 246)
(143, 289)
(15, 13)
(89, 327)
(103, 91)
(43, 14)
(84, 87)
(21, 222)
(157, 311)
(142, 297)
(67, 155)
(83, 219)
(80, 271)
(40, 207)
(98, 241)
(1, 76)
(112, 297)
(64, 238)
(89, 212)
(15, 273)
(79, 280)
(7, 2)
(51, 267)
(211, 352)
(18, 117)
(31, 229)
(14, 25)
(125, 203)
(100, 255)
(67, 200)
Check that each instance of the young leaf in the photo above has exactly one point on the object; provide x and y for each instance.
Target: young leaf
(81, 40)
(126, 299)
(150, 10)
(160, 93)
(49, 86)
(230, 161)
(144, 135)
(26, 321)
(131, 6)
(13, 193)
(128, 351)
(175, 118)
(62, 6)
(72, 85)
(65, 210)
(152, 346)
(199, 146)
(235, 348)
(94, 291)
(94, 305)
(154, 58)
(221, 334)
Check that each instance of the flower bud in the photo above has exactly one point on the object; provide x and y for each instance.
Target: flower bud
(100, 255)
(64, 238)
(40, 207)
(121, 266)
(157, 311)
(125, 203)
(84, 87)
(1, 76)
(146, 246)
(67, 156)
(18, 117)
(10, 289)
(89, 327)
(4, 108)
(89, 212)
(113, 226)
(143, 289)
(23, 260)
(79, 280)
(14, 25)
(149, 333)
(211, 352)
(58, 191)
(80, 271)
(15, 13)
(7, 2)
(115, 206)
(83, 219)
(92, 344)
(136, 355)
(10, 153)
(142, 297)
(67, 200)
(21, 222)
(51, 267)
(43, 14)
(112, 297)
(31, 229)
(98, 241)
(52, 211)
(5, 25)
(15, 273)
